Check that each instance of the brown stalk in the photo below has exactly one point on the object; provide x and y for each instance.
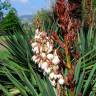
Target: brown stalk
(69, 26)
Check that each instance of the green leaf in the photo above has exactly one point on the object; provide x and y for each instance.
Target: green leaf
(30, 86)
(5, 90)
(79, 85)
(77, 71)
(50, 88)
(89, 79)
(16, 82)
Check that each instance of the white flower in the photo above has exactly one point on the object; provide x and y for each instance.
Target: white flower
(34, 44)
(50, 49)
(59, 76)
(55, 76)
(36, 49)
(37, 60)
(56, 68)
(50, 56)
(51, 75)
(43, 55)
(55, 60)
(44, 65)
(37, 36)
(40, 63)
(53, 83)
(47, 38)
(61, 81)
(34, 58)
(48, 70)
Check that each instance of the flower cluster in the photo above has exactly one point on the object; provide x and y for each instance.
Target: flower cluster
(69, 24)
(45, 55)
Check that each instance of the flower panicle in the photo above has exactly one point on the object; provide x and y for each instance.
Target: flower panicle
(45, 55)
(64, 10)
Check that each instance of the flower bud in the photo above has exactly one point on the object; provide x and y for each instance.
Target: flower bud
(44, 65)
(36, 31)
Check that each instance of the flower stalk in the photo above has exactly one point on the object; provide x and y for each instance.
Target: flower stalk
(49, 59)
(69, 26)
(68, 59)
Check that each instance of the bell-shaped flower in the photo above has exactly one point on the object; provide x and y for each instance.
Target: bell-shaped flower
(55, 68)
(37, 60)
(53, 82)
(44, 65)
(47, 70)
(36, 50)
(50, 49)
(34, 57)
(34, 44)
(61, 81)
(50, 56)
(37, 36)
(51, 75)
(56, 60)
(59, 76)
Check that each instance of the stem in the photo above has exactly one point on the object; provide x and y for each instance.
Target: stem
(69, 65)
(58, 89)
(71, 92)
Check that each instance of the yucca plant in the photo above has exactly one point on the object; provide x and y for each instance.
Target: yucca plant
(75, 57)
